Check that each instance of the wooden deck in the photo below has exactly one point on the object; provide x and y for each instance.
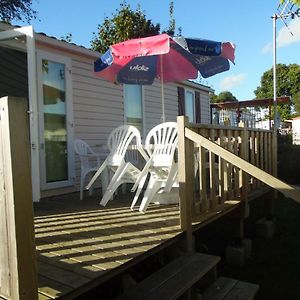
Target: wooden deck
(81, 244)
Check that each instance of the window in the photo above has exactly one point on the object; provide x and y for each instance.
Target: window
(190, 106)
(133, 102)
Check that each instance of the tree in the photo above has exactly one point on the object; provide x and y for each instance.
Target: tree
(288, 78)
(297, 2)
(172, 23)
(16, 9)
(124, 24)
(67, 38)
(225, 96)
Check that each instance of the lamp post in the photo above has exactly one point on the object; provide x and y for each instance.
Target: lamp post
(288, 10)
(274, 17)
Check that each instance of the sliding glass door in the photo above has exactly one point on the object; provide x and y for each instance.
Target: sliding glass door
(56, 126)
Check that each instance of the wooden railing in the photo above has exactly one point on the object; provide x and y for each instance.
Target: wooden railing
(218, 164)
(221, 180)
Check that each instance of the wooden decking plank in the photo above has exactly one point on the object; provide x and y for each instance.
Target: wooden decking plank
(117, 250)
(94, 245)
(219, 289)
(64, 277)
(242, 290)
(133, 250)
(69, 264)
(128, 232)
(41, 297)
(99, 231)
(146, 240)
(52, 288)
(110, 265)
(83, 244)
(99, 220)
(54, 234)
(45, 244)
(102, 227)
(98, 258)
(230, 289)
(123, 247)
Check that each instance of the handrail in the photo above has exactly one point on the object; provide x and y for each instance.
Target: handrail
(214, 126)
(286, 189)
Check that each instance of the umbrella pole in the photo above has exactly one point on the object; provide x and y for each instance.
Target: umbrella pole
(162, 89)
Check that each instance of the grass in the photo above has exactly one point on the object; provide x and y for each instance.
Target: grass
(275, 262)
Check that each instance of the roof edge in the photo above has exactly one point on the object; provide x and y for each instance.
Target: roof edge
(197, 85)
(53, 42)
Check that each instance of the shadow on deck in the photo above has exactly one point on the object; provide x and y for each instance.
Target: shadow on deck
(81, 244)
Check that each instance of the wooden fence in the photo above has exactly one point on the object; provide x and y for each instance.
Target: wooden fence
(17, 249)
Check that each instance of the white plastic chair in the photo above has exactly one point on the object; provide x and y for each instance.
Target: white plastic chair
(161, 143)
(86, 154)
(124, 171)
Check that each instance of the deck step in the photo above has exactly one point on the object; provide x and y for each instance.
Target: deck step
(229, 289)
(174, 279)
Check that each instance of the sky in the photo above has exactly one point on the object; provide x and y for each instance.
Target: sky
(247, 24)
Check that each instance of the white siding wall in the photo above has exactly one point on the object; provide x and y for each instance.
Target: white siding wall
(153, 104)
(205, 107)
(98, 108)
(204, 102)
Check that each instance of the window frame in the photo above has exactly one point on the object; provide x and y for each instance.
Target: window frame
(142, 104)
(186, 91)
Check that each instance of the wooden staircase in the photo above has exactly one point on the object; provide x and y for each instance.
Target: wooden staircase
(230, 289)
(175, 280)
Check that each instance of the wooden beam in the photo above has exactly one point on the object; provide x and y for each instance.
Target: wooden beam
(16, 206)
(186, 180)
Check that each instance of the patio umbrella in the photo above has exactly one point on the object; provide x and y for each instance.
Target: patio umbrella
(139, 61)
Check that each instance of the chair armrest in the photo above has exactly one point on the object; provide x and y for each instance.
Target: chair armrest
(99, 171)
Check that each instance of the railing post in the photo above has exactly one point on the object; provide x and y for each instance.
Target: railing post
(186, 181)
(245, 183)
(18, 278)
(245, 156)
(269, 201)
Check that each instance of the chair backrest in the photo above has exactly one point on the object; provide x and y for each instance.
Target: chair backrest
(119, 140)
(161, 143)
(82, 149)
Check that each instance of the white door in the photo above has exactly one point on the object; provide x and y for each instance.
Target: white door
(56, 120)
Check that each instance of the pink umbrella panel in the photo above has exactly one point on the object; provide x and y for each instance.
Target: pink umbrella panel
(140, 61)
